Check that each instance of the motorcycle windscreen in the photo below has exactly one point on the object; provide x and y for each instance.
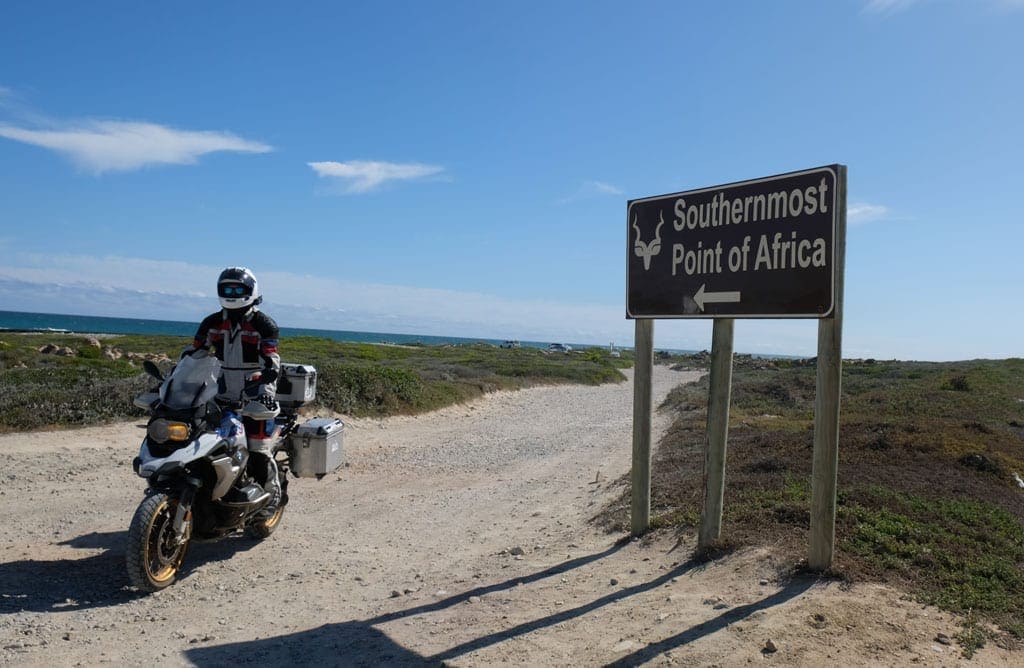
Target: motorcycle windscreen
(192, 383)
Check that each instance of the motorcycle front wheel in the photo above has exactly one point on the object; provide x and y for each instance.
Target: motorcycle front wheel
(154, 555)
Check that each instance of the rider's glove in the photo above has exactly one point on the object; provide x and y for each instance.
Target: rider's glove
(263, 407)
(269, 401)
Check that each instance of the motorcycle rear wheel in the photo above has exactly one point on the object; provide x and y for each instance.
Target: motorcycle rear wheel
(153, 555)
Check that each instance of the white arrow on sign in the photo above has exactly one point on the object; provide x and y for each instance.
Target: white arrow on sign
(714, 297)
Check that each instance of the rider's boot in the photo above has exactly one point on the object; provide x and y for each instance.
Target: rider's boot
(273, 486)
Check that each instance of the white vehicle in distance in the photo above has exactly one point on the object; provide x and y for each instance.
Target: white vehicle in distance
(559, 348)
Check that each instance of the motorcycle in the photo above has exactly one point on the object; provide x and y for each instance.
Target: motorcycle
(203, 481)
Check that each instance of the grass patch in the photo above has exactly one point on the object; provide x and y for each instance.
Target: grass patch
(927, 499)
(80, 383)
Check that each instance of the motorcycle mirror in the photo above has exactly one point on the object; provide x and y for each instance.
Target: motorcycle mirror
(152, 369)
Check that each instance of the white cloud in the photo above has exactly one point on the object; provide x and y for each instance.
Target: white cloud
(360, 176)
(606, 188)
(893, 6)
(140, 288)
(889, 6)
(137, 287)
(106, 146)
(589, 189)
(860, 213)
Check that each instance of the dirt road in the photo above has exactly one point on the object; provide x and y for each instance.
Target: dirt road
(459, 537)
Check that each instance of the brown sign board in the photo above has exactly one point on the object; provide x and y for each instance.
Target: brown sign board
(763, 248)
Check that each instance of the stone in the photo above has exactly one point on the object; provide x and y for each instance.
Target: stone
(770, 647)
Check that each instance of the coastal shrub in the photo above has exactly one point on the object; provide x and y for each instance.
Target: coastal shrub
(37, 398)
(372, 389)
(90, 352)
(38, 389)
(959, 384)
(927, 499)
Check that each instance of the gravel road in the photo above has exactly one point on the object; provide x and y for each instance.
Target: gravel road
(459, 537)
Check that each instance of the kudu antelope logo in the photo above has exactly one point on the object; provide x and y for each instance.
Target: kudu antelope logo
(652, 247)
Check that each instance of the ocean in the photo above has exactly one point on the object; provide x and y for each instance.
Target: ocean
(86, 324)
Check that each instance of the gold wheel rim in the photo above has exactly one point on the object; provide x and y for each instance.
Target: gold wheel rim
(153, 557)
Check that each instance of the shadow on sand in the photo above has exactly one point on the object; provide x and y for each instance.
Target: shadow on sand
(95, 581)
(360, 643)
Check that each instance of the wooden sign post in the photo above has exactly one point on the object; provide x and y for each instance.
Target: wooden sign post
(640, 517)
(766, 248)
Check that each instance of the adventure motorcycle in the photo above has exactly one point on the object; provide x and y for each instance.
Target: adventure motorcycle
(203, 482)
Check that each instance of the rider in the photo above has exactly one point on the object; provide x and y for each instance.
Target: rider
(244, 339)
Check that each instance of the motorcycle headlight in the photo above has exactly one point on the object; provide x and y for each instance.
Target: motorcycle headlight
(161, 431)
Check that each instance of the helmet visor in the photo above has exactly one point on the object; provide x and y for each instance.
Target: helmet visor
(233, 290)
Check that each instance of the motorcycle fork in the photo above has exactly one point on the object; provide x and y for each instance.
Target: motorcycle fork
(183, 515)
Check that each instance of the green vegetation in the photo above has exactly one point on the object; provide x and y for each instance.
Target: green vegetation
(78, 383)
(927, 498)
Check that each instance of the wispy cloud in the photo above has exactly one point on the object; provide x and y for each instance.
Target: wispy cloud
(138, 287)
(112, 146)
(860, 213)
(360, 176)
(8, 98)
(893, 6)
(889, 6)
(589, 189)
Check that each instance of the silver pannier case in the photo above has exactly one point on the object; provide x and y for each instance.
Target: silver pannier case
(317, 447)
(296, 385)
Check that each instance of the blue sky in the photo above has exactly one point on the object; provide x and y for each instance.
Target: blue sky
(462, 168)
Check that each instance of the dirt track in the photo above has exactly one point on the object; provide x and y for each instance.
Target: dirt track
(460, 537)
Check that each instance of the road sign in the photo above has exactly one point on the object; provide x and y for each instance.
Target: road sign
(755, 249)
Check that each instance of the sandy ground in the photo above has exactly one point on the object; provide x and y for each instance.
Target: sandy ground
(459, 537)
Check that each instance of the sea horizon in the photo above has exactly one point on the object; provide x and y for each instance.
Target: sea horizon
(63, 323)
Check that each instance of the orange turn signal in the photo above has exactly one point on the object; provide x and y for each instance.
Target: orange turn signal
(177, 431)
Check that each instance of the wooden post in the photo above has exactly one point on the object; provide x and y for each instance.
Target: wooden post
(643, 370)
(825, 465)
(719, 395)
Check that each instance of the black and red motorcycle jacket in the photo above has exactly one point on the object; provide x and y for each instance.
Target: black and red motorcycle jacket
(243, 347)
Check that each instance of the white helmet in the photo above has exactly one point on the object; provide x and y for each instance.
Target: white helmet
(238, 289)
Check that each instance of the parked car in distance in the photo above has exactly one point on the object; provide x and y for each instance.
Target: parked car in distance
(510, 344)
(560, 348)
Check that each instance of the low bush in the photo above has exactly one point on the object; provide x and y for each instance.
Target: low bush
(927, 499)
(40, 389)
